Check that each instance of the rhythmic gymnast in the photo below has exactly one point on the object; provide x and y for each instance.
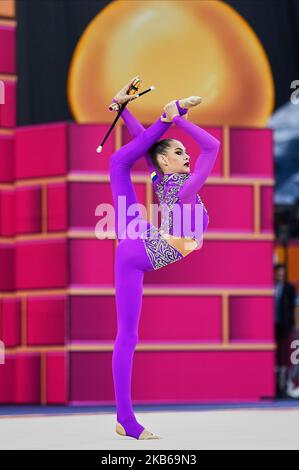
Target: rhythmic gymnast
(173, 184)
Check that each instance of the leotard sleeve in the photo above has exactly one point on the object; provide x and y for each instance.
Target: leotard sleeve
(135, 128)
(204, 162)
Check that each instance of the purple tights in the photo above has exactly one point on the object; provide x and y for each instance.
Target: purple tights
(131, 262)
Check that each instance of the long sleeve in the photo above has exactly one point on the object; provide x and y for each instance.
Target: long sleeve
(205, 161)
(133, 125)
(135, 128)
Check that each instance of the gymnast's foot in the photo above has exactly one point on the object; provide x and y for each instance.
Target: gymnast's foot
(190, 102)
(183, 106)
(134, 431)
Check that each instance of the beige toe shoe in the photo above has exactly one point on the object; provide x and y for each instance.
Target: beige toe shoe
(190, 101)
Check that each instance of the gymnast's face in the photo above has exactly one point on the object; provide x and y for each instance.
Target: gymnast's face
(175, 160)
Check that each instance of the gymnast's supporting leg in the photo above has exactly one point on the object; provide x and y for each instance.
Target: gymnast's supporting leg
(130, 264)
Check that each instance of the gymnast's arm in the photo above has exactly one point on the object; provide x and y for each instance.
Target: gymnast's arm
(135, 128)
(133, 125)
(205, 161)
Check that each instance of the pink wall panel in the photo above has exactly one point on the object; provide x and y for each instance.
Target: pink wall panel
(7, 272)
(57, 207)
(41, 151)
(8, 49)
(180, 318)
(7, 158)
(8, 109)
(27, 385)
(92, 318)
(7, 380)
(28, 209)
(251, 152)
(86, 197)
(91, 262)
(7, 213)
(41, 264)
(60, 149)
(83, 142)
(267, 209)
(90, 376)
(46, 321)
(56, 378)
(227, 263)
(176, 376)
(230, 207)
(251, 318)
(10, 322)
(189, 376)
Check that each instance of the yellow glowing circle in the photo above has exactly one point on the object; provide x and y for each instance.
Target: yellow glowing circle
(184, 48)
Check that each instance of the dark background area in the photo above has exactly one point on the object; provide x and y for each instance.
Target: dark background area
(49, 30)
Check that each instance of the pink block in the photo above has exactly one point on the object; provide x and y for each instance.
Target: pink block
(86, 197)
(267, 211)
(7, 158)
(230, 263)
(41, 264)
(57, 216)
(41, 150)
(176, 376)
(91, 376)
(163, 319)
(202, 376)
(251, 318)
(92, 318)
(7, 381)
(7, 213)
(230, 208)
(46, 321)
(28, 378)
(8, 49)
(91, 262)
(83, 142)
(7, 271)
(8, 109)
(28, 209)
(251, 152)
(57, 379)
(10, 322)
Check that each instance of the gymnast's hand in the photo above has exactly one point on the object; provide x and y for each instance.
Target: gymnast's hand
(122, 95)
(171, 110)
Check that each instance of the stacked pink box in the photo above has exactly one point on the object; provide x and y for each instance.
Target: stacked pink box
(206, 329)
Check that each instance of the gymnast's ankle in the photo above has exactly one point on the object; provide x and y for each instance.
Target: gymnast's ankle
(132, 428)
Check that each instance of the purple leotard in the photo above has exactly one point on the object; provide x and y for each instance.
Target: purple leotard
(136, 256)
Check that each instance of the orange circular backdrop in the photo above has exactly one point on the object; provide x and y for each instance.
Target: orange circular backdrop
(184, 48)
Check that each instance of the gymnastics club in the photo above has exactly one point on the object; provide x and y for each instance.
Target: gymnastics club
(100, 147)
